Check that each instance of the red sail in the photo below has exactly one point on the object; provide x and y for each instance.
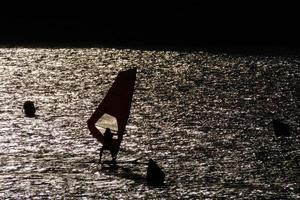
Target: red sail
(116, 103)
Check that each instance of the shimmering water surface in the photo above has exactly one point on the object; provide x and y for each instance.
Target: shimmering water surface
(205, 118)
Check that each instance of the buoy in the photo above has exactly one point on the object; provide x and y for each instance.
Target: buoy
(29, 109)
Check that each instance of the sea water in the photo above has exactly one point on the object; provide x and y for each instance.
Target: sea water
(205, 118)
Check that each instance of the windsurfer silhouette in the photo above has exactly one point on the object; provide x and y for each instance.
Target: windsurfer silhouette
(116, 103)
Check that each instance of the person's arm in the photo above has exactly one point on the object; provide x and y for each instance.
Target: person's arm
(120, 138)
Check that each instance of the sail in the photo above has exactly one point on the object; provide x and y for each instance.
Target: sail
(114, 110)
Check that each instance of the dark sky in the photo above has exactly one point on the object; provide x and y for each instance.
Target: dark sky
(155, 24)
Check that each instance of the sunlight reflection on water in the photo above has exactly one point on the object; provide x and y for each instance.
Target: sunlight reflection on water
(205, 118)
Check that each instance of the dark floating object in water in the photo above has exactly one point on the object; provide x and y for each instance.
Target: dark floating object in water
(280, 128)
(155, 176)
(29, 109)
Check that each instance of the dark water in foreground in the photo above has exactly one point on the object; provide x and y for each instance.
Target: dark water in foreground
(205, 118)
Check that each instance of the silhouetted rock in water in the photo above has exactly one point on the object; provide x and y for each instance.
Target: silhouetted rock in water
(280, 128)
(155, 176)
(29, 109)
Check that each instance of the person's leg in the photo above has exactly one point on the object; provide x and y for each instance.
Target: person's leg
(101, 151)
(114, 158)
